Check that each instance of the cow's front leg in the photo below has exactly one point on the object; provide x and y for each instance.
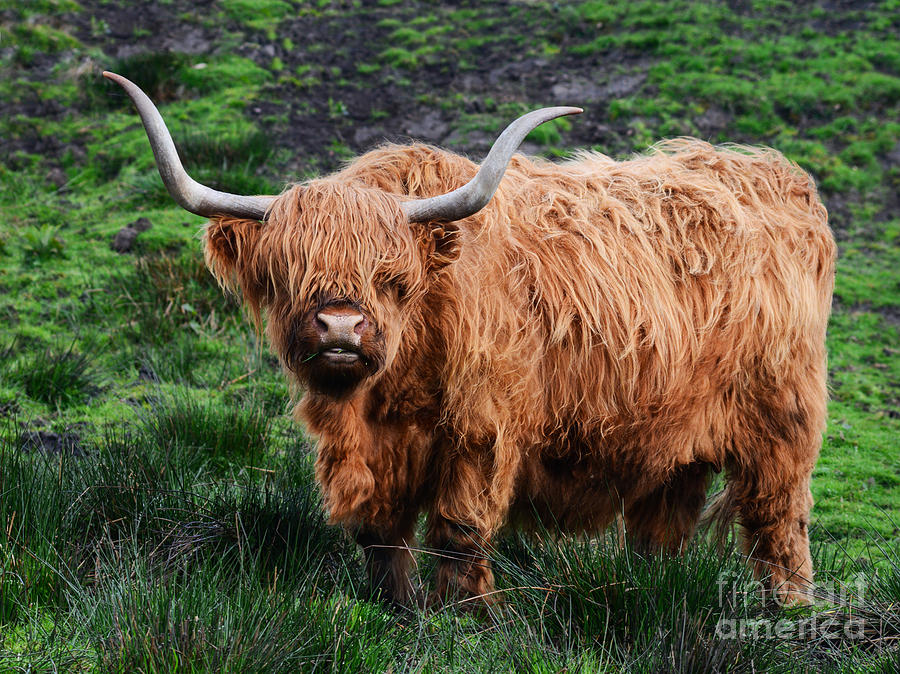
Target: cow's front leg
(388, 558)
(371, 474)
(463, 569)
(471, 503)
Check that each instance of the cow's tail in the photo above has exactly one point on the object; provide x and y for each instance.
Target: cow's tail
(717, 520)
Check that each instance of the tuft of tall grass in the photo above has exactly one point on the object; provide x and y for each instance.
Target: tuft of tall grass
(284, 533)
(34, 493)
(178, 360)
(126, 492)
(886, 581)
(57, 376)
(169, 563)
(217, 434)
(157, 73)
(271, 393)
(40, 244)
(167, 294)
(649, 613)
(247, 375)
(229, 160)
(226, 616)
(168, 499)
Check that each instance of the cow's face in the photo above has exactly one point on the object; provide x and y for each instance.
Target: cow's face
(337, 273)
(338, 270)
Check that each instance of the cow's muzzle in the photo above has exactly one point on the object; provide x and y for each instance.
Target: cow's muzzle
(339, 331)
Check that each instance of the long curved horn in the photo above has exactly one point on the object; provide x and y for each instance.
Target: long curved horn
(475, 194)
(190, 195)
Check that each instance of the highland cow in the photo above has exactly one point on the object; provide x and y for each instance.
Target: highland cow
(574, 342)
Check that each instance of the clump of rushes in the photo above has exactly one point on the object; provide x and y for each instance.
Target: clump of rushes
(167, 294)
(158, 73)
(281, 525)
(654, 611)
(239, 145)
(227, 616)
(702, 611)
(177, 361)
(213, 432)
(229, 159)
(56, 376)
(34, 494)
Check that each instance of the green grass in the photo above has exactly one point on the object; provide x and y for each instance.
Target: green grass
(41, 244)
(258, 14)
(139, 557)
(207, 431)
(56, 376)
(191, 535)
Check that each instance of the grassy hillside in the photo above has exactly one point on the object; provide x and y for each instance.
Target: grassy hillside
(156, 502)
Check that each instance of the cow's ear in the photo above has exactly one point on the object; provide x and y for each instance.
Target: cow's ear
(229, 244)
(444, 240)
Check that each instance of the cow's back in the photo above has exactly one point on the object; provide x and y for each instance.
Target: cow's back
(630, 300)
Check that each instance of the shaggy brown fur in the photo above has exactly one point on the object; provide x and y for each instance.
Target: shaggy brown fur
(595, 341)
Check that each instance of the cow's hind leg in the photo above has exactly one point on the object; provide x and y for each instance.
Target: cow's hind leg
(665, 519)
(773, 508)
(769, 485)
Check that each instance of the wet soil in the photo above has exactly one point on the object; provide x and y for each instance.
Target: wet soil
(332, 97)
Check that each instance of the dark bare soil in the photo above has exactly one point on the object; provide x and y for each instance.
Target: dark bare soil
(425, 102)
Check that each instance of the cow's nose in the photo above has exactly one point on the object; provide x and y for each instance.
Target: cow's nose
(339, 327)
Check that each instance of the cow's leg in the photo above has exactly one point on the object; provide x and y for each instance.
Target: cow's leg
(773, 506)
(769, 485)
(370, 476)
(388, 558)
(463, 570)
(473, 495)
(667, 517)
